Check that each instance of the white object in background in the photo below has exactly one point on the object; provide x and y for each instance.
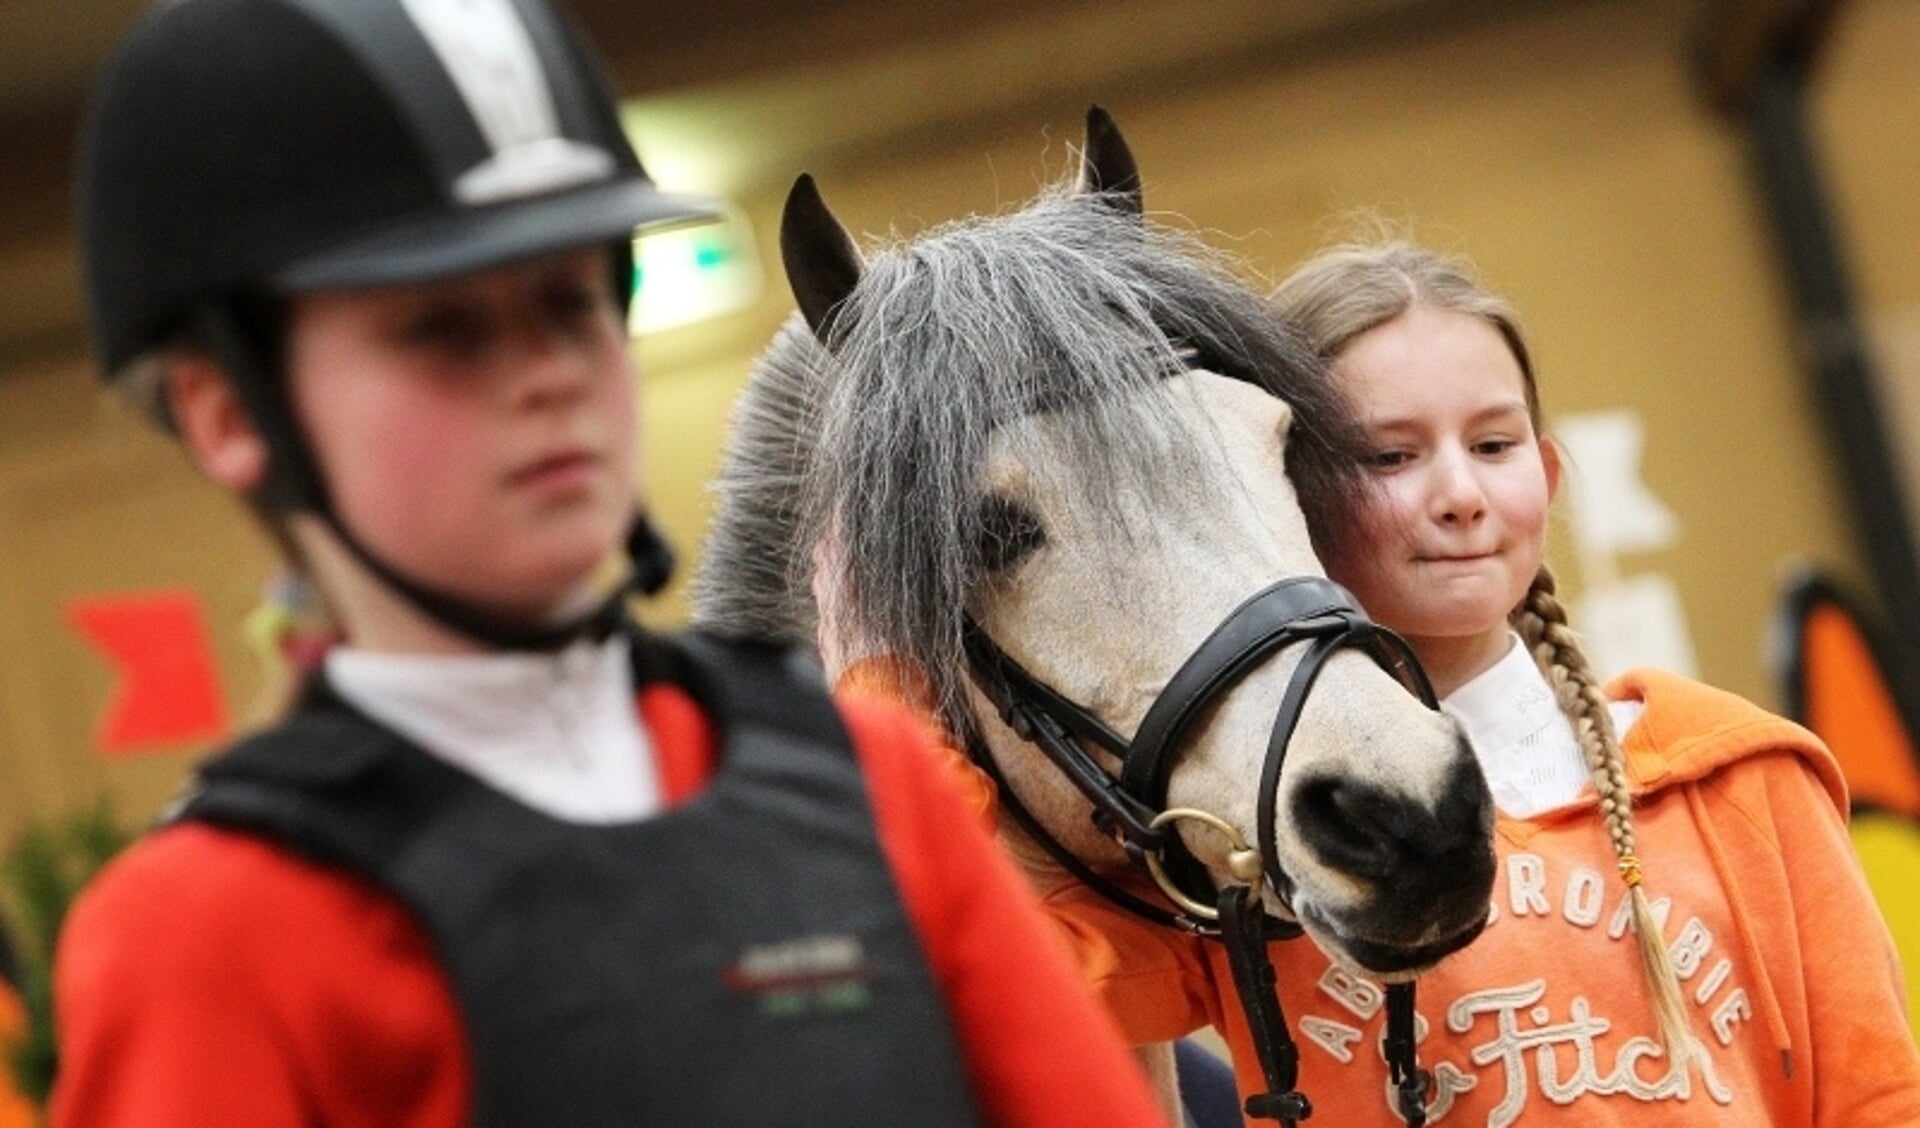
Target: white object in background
(1637, 621)
(1613, 510)
(1625, 621)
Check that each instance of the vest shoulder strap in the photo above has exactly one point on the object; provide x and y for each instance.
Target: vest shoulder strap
(341, 788)
(293, 782)
(747, 682)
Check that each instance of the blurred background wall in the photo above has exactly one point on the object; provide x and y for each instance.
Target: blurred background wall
(1573, 151)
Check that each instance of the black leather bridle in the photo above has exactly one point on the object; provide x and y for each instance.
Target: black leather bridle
(1131, 808)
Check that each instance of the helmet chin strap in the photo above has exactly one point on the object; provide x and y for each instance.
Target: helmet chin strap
(243, 335)
(651, 568)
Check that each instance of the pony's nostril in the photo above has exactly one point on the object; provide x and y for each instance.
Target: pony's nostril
(1372, 833)
(1352, 827)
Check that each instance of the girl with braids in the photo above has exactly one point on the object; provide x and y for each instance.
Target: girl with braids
(1769, 991)
(1706, 952)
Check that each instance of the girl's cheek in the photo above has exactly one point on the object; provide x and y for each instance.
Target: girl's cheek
(1537, 508)
(1350, 561)
(1386, 520)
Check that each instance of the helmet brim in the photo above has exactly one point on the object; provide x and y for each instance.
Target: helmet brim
(446, 244)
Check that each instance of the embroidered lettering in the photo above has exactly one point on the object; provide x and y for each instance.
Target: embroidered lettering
(1337, 1038)
(1625, 1077)
(1511, 1044)
(1448, 1079)
(1689, 949)
(1622, 919)
(1586, 897)
(1734, 1008)
(1713, 981)
(1520, 1036)
(1358, 995)
(1526, 884)
(1507, 1047)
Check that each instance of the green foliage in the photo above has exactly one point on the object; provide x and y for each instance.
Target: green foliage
(40, 874)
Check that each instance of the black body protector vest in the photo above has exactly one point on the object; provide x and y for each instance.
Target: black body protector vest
(742, 959)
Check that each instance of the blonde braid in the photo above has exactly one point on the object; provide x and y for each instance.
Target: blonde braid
(1542, 625)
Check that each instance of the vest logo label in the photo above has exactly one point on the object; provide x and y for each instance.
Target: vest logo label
(807, 974)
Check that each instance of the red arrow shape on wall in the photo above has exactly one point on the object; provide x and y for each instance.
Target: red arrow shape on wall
(169, 690)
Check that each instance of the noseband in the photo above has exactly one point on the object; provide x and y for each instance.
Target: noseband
(1132, 808)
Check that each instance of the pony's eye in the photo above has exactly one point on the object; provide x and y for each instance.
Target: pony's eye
(1009, 532)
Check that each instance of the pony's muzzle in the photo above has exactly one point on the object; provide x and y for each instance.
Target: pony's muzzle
(1419, 861)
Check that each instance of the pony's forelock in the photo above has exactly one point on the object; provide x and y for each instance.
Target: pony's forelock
(1065, 304)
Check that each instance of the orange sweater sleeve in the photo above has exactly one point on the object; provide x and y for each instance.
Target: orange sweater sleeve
(1017, 1005)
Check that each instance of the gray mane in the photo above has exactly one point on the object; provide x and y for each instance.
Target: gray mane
(754, 566)
(1065, 304)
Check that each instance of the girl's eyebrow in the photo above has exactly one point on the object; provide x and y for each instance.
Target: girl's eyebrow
(1501, 410)
(1413, 421)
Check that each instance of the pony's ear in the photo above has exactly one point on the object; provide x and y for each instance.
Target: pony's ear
(823, 265)
(1107, 165)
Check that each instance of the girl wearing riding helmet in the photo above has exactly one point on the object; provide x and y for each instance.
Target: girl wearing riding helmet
(508, 859)
(1680, 932)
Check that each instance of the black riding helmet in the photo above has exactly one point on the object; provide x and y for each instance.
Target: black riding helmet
(241, 151)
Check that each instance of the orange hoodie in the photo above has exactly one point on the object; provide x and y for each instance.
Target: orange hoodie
(1787, 967)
